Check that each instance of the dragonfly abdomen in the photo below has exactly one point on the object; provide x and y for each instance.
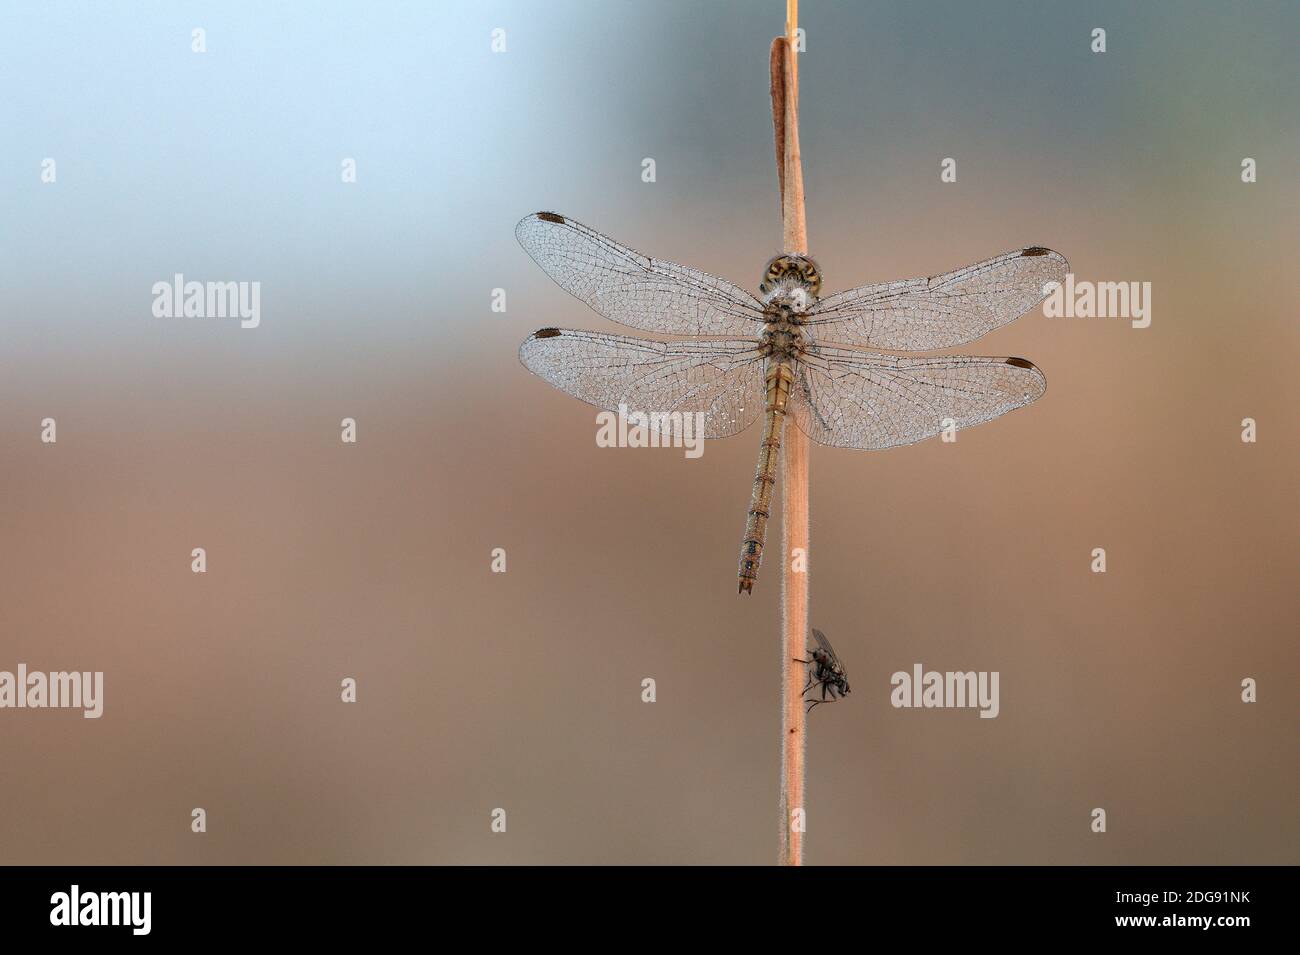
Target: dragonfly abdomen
(779, 378)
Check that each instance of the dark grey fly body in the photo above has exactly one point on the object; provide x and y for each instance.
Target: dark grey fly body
(826, 671)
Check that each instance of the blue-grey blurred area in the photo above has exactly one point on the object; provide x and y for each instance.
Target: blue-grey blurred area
(522, 690)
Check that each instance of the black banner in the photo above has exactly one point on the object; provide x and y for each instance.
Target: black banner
(136, 905)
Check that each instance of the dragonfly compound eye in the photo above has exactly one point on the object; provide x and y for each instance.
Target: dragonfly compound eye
(795, 269)
(772, 274)
(812, 277)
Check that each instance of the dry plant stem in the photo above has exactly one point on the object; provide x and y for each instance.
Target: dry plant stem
(776, 67)
(794, 464)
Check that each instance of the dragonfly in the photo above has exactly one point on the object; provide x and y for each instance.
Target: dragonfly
(786, 353)
(825, 671)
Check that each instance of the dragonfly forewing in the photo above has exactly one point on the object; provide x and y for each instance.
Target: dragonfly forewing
(942, 311)
(634, 289)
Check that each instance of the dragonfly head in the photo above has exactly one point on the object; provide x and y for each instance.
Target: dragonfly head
(791, 279)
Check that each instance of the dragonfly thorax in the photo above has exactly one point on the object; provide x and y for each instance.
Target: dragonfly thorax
(783, 335)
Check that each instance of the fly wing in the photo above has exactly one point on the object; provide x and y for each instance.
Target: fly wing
(852, 399)
(723, 380)
(941, 311)
(825, 644)
(634, 289)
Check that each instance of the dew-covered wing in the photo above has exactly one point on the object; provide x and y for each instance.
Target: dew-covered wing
(851, 399)
(942, 311)
(634, 289)
(722, 380)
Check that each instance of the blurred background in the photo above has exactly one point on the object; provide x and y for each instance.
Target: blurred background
(522, 690)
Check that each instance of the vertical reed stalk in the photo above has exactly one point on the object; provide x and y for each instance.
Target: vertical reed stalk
(794, 459)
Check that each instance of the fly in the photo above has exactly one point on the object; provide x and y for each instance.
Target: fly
(825, 671)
